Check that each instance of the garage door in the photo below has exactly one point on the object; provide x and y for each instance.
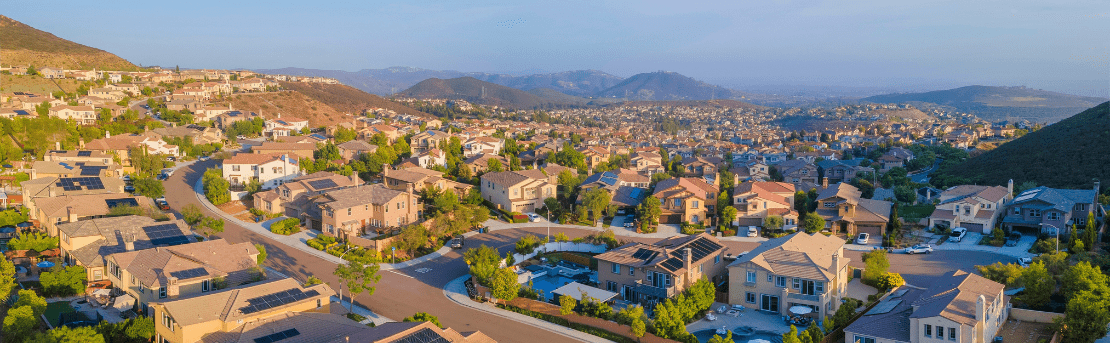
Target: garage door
(874, 231)
(973, 227)
(671, 219)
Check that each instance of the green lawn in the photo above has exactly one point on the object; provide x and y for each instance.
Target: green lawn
(916, 211)
(54, 309)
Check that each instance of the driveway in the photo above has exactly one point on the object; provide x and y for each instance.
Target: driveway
(919, 270)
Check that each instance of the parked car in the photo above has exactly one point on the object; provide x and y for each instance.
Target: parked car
(957, 234)
(1024, 261)
(753, 231)
(919, 249)
(129, 188)
(457, 243)
(629, 223)
(162, 204)
(533, 217)
(862, 238)
(127, 178)
(1014, 239)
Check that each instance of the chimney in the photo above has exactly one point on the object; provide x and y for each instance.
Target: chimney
(70, 216)
(1010, 187)
(836, 263)
(107, 134)
(686, 262)
(824, 183)
(1097, 184)
(129, 244)
(57, 145)
(981, 308)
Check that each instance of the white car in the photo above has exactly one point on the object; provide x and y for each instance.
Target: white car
(753, 231)
(919, 249)
(862, 238)
(1024, 261)
(533, 217)
(957, 234)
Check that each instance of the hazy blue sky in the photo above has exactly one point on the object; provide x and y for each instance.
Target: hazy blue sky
(1057, 45)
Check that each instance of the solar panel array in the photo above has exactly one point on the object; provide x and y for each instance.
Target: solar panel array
(899, 293)
(80, 183)
(165, 234)
(609, 178)
(322, 184)
(189, 273)
(112, 203)
(65, 165)
(277, 299)
(425, 335)
(645, 254)
(91, 171)
(84, 153)
(699, 248)
(884, 307)
(274, 337)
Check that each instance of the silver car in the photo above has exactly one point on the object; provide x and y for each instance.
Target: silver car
(919, 249)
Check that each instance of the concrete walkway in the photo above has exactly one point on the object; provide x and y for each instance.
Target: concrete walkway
(299, 240)
(456, 291)
(362, 311)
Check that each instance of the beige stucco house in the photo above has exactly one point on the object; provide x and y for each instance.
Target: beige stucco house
(799, 269)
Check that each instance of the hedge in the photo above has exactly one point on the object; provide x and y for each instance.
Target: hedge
(606, 334)
(286, 226)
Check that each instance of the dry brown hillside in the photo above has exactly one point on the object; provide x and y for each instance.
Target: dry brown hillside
(347, 99)
(288, 104)
(25, 45)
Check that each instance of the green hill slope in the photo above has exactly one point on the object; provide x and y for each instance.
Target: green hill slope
(25, 45)
(485, 93)
(1000, 103)
(1067, 154)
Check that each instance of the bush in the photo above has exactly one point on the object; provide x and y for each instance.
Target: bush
(63, 281)
(423, 317)
(891, 281)
(527, 244)
(692, 229)
(34, 241)
(1044, 246)
(605, 334)
(286, 226)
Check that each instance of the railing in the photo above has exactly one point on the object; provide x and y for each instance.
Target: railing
(650, 290)
(805, 297)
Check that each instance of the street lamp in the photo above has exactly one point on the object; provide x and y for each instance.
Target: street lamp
(1057, 235)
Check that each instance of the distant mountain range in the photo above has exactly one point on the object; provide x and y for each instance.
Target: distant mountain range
(999, 103)
(487, 93)
(666, 86)
(25, 45)
(1067, 154)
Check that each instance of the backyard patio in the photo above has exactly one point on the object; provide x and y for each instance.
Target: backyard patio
(763, 325)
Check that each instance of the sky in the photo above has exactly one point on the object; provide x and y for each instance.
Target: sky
(745, 44)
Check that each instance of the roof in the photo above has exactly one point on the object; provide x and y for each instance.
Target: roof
(259, 158)
(669, 187)
(953, 296)
(893, 324)
(112, 232)
(355, 196)
(1060, 199)
(506, 179)
(988, 193)
(801, 255)
(667, 254)
(285, 147)
(229, 305)
(83, 205)
(575, 290)
(357, 145)
(200, 260)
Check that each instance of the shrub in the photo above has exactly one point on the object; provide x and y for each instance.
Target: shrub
(891, 281)
(527, 244)
(286, 226)
(315, 244)
(63, 281)
(423, 317)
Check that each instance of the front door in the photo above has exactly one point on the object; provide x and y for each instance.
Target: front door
(769, 303)
(807, 287)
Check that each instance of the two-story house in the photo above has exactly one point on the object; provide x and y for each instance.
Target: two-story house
(355, 148)
(846, 212)
(298, 150)
(271, 170)
(482, 145)
(701, 166)
(53, 210)
(974, 207)
(284, 126)
(650, 273)
(626, 187)
(352, 211)
(751, 170)
(595, 155)
(1047, 209)
(181, 270)
(428, 140)
(798, 172)
(647, 163)
(755, 201)
(417, 179)
(84, 115)
(957, 306)
(480, 163)
(517, 191)
(292, 198)
(842, 170)
(87, 242)
(686, 199)
(796, 270)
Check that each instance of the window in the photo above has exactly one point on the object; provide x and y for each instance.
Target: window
(751, 277)
(677, 202)
(1034, 213)
(828, 204)
(348, 211)
(611, 286)
(167, 321)
(329, 213)
(770, 277)
(951, 334)
(717, 259)
(861, 339)
(797, 283)
(616, 268)
(162, 292)
(631, 271)
(780, 281)
(234, 168)
(750, 298)
(205, 285)
(940, 332)
(819, 286)
(695, 204)
(1053, 216)
(700, 270)
(928, 330)
(1017, 210)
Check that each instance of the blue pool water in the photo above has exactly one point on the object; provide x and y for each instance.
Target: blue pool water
(551, 278)
(706, 335)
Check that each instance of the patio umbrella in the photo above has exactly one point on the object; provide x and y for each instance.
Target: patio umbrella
(24, 224)
(103, 292)
(801, 309)
(7, 229)
(757, 340)
(45, 264)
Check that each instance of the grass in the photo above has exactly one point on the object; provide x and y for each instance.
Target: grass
(916, 211)
(54, 309)
(30, 284)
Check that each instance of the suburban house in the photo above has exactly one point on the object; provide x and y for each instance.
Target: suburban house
(198, 134)
(352, 211)
(84, 115)
(842, 170)
(418, 179)
(480, 163)
(1046, 209)
(595, 155)
(648, 274)
(354, 149)
(270, 170)
(78, 156)
(751, 171)
(181, 270)
(194, 318)
(51, 211)
(798, 172)
(428, 140)
(846, 212)
(974, 207)
(686, 199)
(284, 126)
(121, 145)
(298, 150)
(957, 307)
(59, 169)
(755, 201)
(626, 187)
(647, 163)
(432, 158)
(517, 191)
(292, 198)
(700, 166)
(482, 145)
(796, 270)
(87, 242)
(391, 133)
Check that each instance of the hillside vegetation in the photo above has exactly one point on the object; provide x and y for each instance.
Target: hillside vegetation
(481, 92)
(36, 84)
(1000, 103)
(348, 99)
(288, 104)
(25, 45)
(1067, 154)
(665, 86)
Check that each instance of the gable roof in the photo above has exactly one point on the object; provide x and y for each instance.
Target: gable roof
(154, 267)
(801, 255)
(953, 296)
(229, 305)
(667, 254)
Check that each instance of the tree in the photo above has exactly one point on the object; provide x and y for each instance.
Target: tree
(1083, 277)
(650, 209)
(566, 305)
(801, 203)
(33, 300)
(637, 328)
(596, 200)
(134, 330)
(63, 280)
(1006, 274)
(894, 230)
(719, 339)
(192, 215)
(816, 335)
(484, 262)
(877, 266)
(792, 336)
(727, 215)
(358, 278)
(1039, 285)
(216, 189)
(64, 334)
(812, 223)
(209, 226)
(19, 323)
(261, 253)
(423, 317)
(773, 223)
(343, 135)
(7, 279)
(891, 281)
(149, 187)
(503, 285)
(1084, 320)
(494, 165)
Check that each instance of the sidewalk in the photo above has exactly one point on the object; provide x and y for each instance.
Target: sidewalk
(299, 240)
(362, 311)
(495, 225)
(456, 291)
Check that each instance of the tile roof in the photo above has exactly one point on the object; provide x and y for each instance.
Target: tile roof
(112, 232)
(798, 255)
(350, 197)
(217, 257)
(227, 305)
(953, 296)
(84, 205)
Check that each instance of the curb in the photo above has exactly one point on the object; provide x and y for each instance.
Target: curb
(451, 291)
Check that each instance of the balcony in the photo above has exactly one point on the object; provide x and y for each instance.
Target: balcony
(794, 295)
(644, 288)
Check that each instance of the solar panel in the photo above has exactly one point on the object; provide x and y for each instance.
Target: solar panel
(91, 171)
(884, 307)
(672, 264)
(277, 336)
(79, 183)
(112, 203)
(277, 299)
(423, 336)
(322, 184)
(641, 254)
(84, 153)
(899, 293)
(65, 165)
(165, 234)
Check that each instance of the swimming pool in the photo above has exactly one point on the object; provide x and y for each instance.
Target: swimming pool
(547, 279)
(705, 335)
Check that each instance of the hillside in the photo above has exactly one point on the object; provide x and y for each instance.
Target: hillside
(481, 92)
(1067, 154)
(699, 103)
(391, 80)
(665, 86)
(581, 83)
(288, 104)
(347, 99)
(999, 103)
(25, 45)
